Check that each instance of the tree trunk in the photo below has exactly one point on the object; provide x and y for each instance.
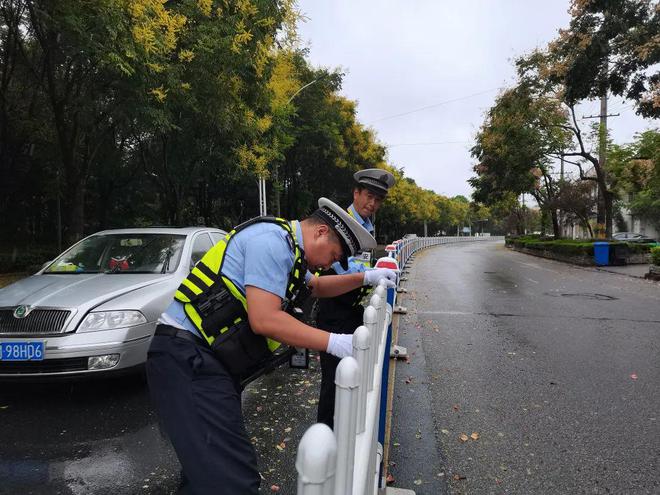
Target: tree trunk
(608, 214)
(76, 211)
(555, 224)
(277, 190)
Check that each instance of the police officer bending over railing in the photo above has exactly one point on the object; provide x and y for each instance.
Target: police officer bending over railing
(228, 318)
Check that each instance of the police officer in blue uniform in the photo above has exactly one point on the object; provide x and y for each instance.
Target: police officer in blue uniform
(228, 318)
(343, 314)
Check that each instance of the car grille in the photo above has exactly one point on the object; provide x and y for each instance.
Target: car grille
(45, 366)
(37, 322)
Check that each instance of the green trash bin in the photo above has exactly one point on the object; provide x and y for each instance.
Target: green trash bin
(602, 253)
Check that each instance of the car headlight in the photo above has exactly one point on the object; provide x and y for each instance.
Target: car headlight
(107, 320)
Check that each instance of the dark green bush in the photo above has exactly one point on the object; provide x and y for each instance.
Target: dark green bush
(655, 255)
(571, 246)
(25, 261)
(639, 247)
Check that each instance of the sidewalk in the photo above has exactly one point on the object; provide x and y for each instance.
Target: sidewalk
(637, 270)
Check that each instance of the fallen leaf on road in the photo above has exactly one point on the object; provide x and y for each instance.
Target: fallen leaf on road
(456, 407)
(474, 436)
(458, 477)
(633, 376)
(389, 479)
(274, 488)
(463, 437)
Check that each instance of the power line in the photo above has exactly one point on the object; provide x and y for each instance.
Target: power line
(432, 143)
(434, 105)
(599, 116)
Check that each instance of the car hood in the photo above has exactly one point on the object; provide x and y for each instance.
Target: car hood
(69, 291)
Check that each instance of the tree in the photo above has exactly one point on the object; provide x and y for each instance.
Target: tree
(515, 146)
(608, 46)
(508, 215)
(120, 113)
(575, 200)
(634, 169)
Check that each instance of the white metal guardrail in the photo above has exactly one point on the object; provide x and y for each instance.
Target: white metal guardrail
(348, 460)
(406, 247)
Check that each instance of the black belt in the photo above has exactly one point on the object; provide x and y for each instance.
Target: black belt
(170, 331)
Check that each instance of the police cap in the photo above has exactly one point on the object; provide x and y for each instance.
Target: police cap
(352, 236)
(376, 180)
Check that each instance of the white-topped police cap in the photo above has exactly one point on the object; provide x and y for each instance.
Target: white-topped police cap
(353, 236)
(376, 180)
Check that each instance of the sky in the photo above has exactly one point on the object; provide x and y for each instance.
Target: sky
(424, 72)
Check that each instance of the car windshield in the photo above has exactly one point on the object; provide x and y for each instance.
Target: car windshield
(122, 253)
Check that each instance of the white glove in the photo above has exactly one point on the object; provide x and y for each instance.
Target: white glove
(373, 277)
(340, 345)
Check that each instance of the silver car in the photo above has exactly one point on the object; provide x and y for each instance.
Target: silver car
(94, 308)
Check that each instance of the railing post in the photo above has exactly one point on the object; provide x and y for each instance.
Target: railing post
(347, 380)
(361, 342)
(371, 322)
(381, 292)
(316, 461)
(391, 294)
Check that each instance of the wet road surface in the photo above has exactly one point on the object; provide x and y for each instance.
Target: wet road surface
(551, 372)
(555, 368)
(102, 437)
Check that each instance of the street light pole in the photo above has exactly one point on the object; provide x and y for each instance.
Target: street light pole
(262, 196)
(262, 180)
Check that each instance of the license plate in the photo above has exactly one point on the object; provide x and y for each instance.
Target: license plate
(21, 351)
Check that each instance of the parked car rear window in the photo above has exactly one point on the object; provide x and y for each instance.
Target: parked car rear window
(122, 253)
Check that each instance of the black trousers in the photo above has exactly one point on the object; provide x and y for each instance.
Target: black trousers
(326, 408)
(199, 406)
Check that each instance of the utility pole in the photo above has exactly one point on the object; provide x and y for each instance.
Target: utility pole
(262, 181)
(604, 197)
(602, 155)
(523, 215)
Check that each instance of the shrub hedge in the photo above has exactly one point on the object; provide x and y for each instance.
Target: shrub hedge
(570, 246)
(655, 255)
(25, 261)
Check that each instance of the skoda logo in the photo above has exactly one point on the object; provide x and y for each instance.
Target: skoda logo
(22, 311)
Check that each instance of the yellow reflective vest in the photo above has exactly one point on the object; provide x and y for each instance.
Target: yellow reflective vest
(206, 293)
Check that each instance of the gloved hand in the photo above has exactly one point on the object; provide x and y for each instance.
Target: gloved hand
(373, 277)
(340, 345)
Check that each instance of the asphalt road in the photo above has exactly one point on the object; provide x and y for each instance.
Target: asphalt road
(102, 437)
(551, 372)
(555, 368)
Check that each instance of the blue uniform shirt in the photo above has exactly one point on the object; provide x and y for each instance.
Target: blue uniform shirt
(353, 265)
(259, 256)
